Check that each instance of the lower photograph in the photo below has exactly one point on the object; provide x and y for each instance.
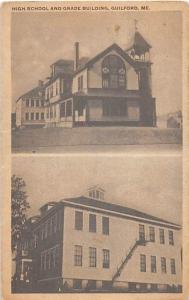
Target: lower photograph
(96, 224)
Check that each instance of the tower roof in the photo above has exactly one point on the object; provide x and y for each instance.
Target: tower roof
(140, 44)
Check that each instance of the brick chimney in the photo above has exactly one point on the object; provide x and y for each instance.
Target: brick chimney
(76, 61)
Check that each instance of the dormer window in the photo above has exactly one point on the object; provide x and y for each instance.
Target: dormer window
(113, 72)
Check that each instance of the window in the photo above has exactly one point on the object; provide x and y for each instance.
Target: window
(79, 220)
(81, 106)
(171, 239)
(163, 265)
(35, 240)
(69, 108)
(80, 83)
(47, 113)
(173, 269)
(77, 284)
(56, 87)
(42, 116)
(92, 257)
(55, 223)
(51, 111)
(152, 234)
(60, 220)
(143, 263)
(47, 94)
(52, 258)
(91, 284)
(51, 91)
(67, 86)
(32, 116)
(78, 256)
(114, 108)
(106, 258)
(106, 284)
(48, 260)
(46, 230)
(27, 116)
(37, 116)
(153, 264)
(32, 103)
(63, 109)
(105, 225)
(37, 103)
(113, 72)
(43, 261)
(141, 232)
(42, 231)
(49, 226)
(92, 223)
(42, 103)
(57, 262)
(27, 102)
(161, 236)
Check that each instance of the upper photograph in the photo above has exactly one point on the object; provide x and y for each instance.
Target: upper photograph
(102, 81)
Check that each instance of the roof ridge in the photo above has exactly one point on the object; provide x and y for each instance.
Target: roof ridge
(146, 215)
(32, 90)
(98, 55)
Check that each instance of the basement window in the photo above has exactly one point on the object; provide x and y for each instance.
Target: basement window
(77, 284)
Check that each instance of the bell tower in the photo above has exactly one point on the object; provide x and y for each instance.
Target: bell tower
(139, 52)
(96, 192)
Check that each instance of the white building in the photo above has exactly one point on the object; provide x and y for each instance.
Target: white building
(88, 244)
(30, 109)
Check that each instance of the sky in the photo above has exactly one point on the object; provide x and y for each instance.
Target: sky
(39, 39)
(147, 183)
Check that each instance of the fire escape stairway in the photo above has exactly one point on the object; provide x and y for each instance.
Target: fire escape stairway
(127, 258)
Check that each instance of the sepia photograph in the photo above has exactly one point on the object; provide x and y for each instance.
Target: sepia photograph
(118, 229)
(113, 85)
(95, 150)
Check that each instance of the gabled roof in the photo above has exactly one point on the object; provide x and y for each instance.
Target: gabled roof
(32, 93)
(140, 45)
(141, 42)
(115, 47)
(115, 208)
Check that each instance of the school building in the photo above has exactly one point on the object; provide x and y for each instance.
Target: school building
(86, 244)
